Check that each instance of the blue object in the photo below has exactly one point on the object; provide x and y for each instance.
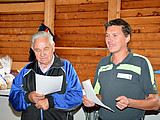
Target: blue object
(157, 72)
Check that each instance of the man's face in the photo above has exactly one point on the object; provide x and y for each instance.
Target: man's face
(43, 50)
(115, 39)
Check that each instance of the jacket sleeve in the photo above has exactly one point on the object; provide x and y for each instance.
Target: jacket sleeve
(73, 95)
(17, 94)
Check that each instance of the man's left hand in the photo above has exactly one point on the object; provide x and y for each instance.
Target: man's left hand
(122, 102)
(42, 104)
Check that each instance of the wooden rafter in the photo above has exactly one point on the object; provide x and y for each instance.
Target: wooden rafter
(49, 14)
(114, 7)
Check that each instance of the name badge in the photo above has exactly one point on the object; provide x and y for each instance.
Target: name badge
(125, 76)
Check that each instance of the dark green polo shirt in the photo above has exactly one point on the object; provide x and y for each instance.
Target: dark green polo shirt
(133, 78)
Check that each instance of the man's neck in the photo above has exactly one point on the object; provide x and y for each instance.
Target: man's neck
(119, 57)
(45, 68)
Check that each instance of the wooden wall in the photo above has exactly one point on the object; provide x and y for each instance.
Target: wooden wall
(144, 18)
(80, 34)
(79, 30)
(17, 24)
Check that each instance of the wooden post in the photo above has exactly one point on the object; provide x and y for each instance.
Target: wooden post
(114, 7)
(49, 14)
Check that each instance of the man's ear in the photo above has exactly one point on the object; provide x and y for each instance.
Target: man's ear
(53, 46)
(128, 38)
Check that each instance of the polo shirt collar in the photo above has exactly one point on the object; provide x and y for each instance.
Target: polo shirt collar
(127, 58)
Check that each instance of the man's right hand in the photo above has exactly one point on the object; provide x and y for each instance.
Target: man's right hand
(87, 102)
(35, 97)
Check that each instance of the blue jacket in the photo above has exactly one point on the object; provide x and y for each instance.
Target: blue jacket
(24, 83)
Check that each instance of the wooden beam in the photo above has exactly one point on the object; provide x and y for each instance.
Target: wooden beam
(114, 7)
(49, 14)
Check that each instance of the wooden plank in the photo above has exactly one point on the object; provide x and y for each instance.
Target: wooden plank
(82, 8)
(114, 7)
(154, 61)
(80, 30)
(20, 24)
(140, 4)
(15, 51)
(15, 44)
(91, 66)
(156, 67)
(81, 59)
(143, 20)
(140, 12)
(19, 58)
(22, 17)
(49, 14)
(82, 52)
(83, 44)
(80, 22)
(145, 36)
(148, 52)
(14, 38)
(22, 7)
(18, 31)
(147, 28)
(81, 15)
(86, 29)
(85, 72)
(144, 45)
(101, 36)
(70, 2)
(83, 36)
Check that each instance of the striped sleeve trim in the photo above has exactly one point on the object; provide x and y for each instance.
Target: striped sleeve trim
(97, 87)
(150, 68)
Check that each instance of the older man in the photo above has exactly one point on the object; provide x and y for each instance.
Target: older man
(54, 106)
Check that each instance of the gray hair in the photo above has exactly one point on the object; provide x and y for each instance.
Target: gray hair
(41, 34)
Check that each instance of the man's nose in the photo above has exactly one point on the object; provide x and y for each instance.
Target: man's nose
(42, 53)
(109, 38)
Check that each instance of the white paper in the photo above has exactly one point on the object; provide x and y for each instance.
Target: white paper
(91, 95)
(48, 84)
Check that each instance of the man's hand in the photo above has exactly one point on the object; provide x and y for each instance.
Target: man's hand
(42, 104)
(122, 102)
(35, 97)
(87, 102)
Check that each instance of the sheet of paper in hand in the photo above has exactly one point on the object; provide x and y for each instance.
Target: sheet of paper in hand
(48, 84)
(91, 95)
